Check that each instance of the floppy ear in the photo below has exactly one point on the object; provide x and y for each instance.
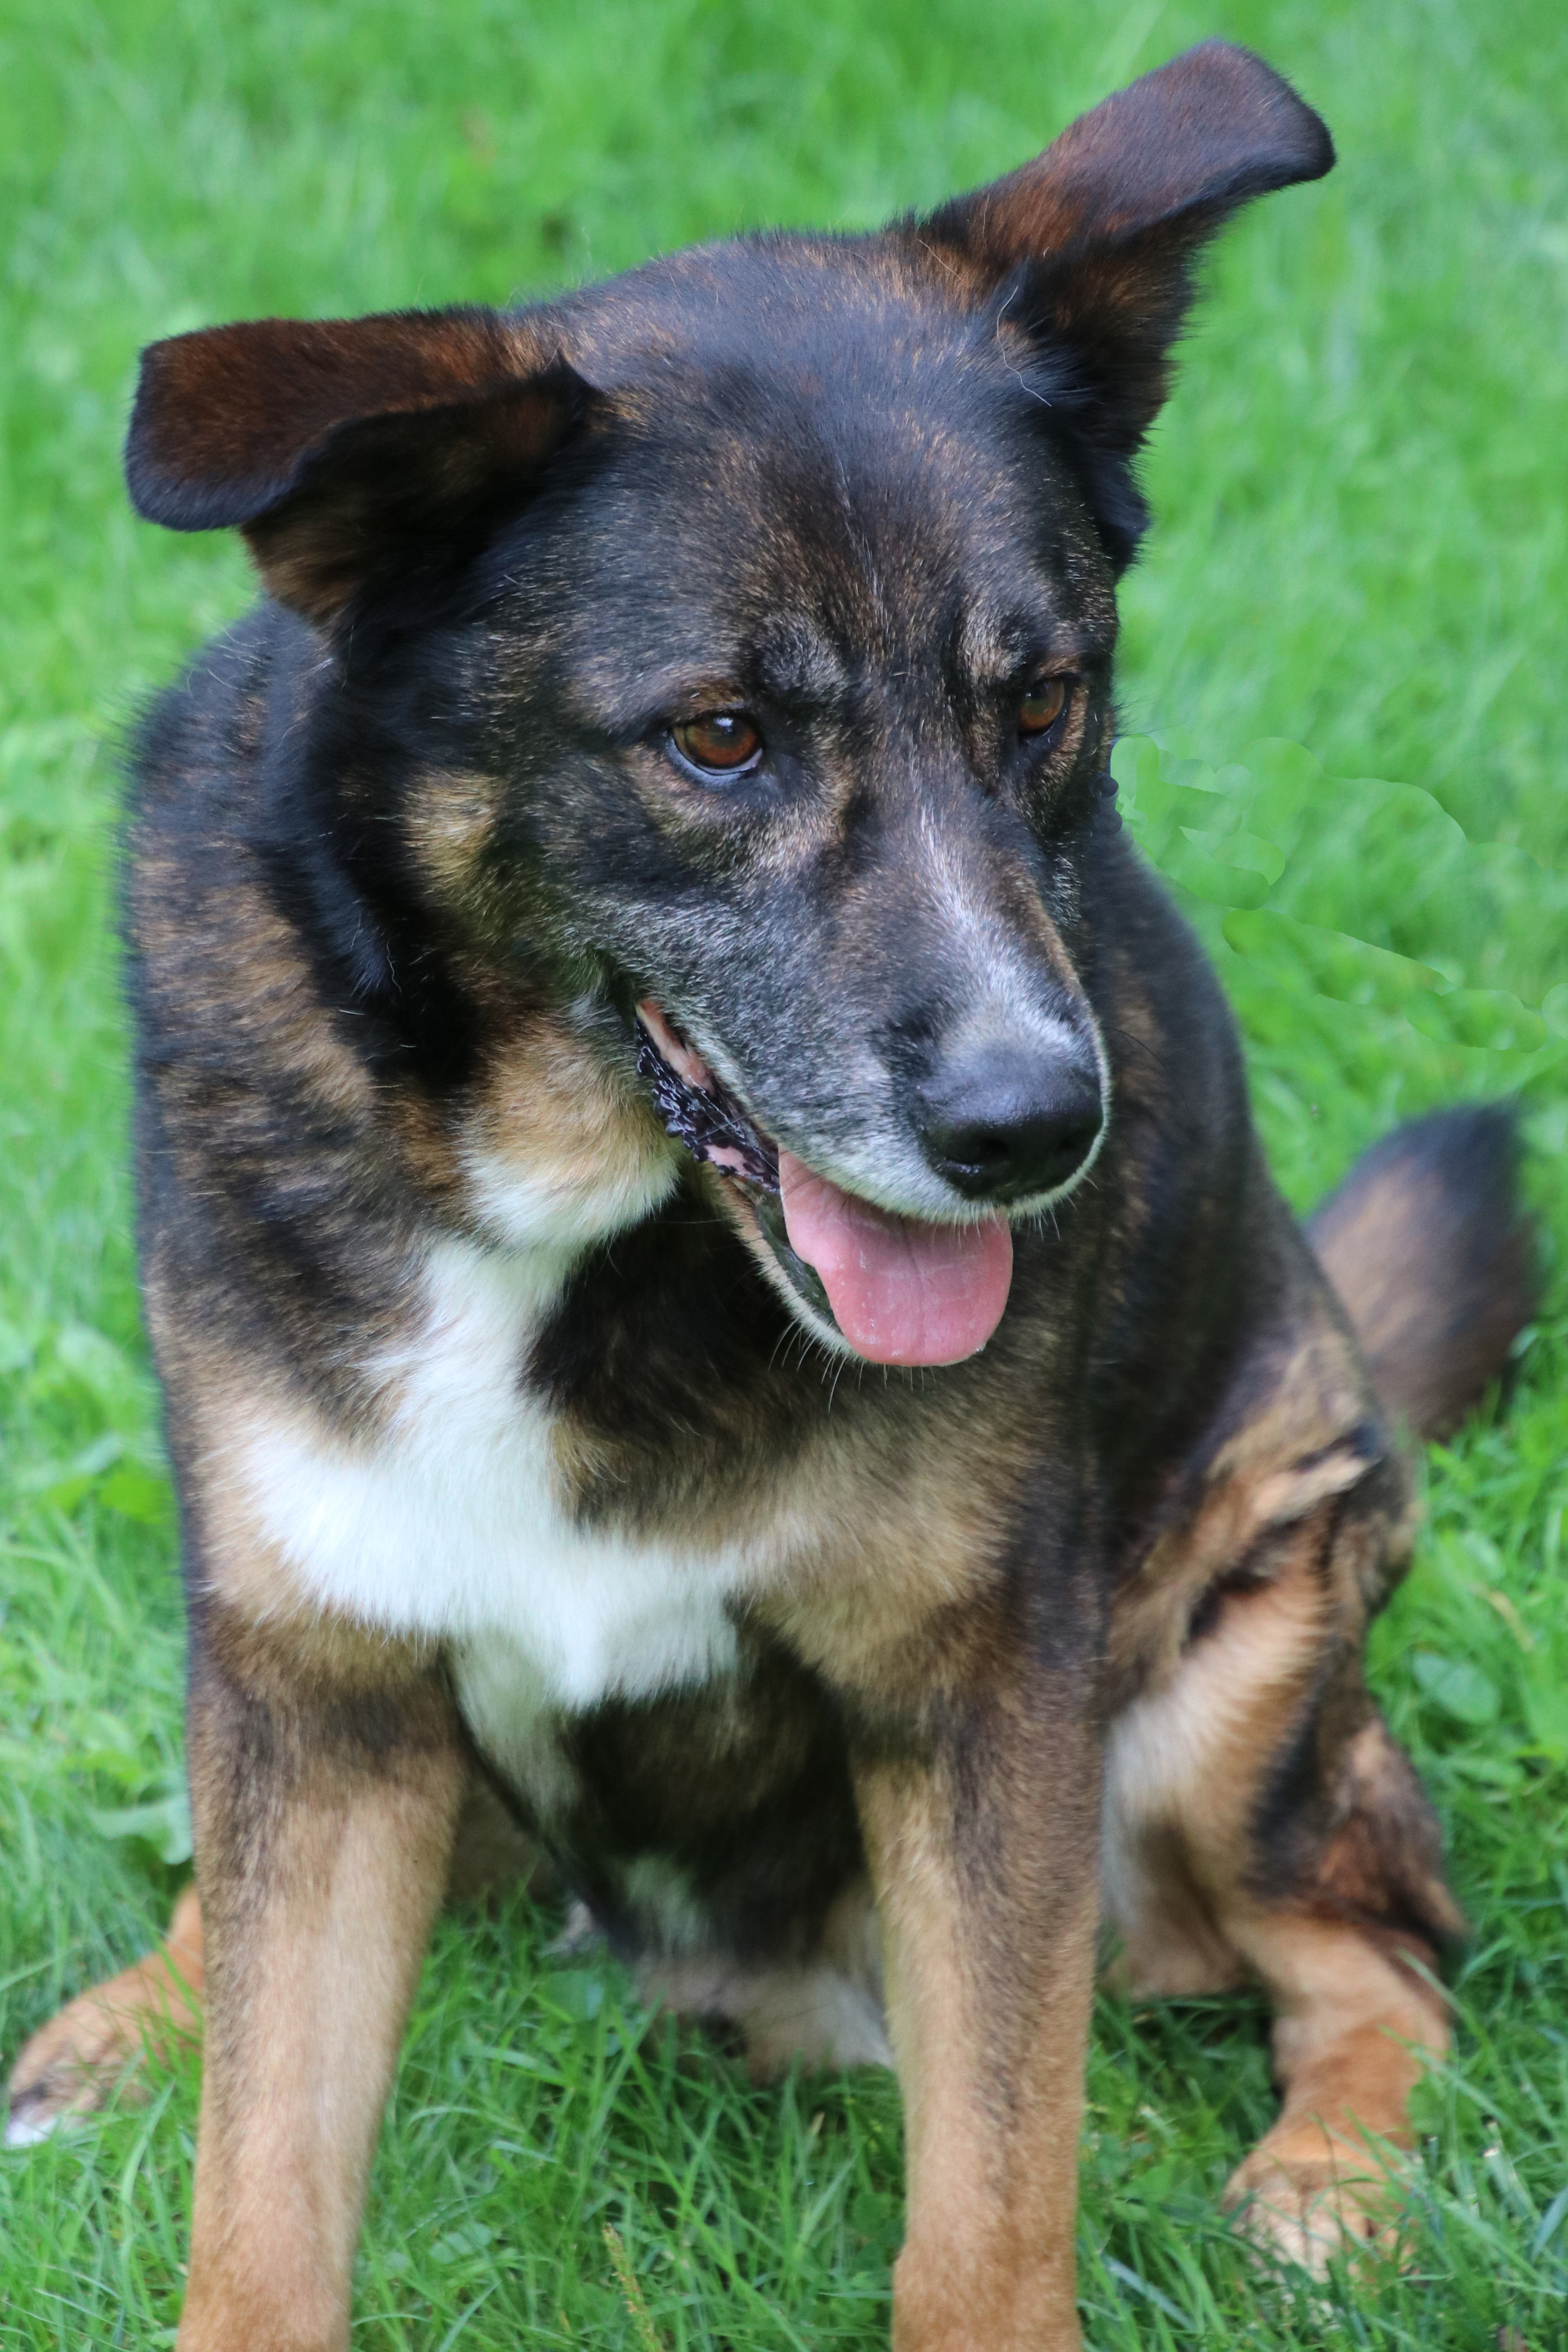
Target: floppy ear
(1089, 249)
(350, 452)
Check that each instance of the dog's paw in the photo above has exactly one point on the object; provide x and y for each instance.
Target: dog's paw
(72, 2066)
(92, 2051)
(1305, 2197)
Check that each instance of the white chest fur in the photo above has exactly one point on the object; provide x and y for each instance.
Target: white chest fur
(450, 1521)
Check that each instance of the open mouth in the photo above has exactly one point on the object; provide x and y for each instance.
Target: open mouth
(901, 1290)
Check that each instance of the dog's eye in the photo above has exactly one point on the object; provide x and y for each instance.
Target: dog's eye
(1042, 706)
(721, 743)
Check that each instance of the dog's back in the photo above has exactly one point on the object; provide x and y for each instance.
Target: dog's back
(1428, 1248)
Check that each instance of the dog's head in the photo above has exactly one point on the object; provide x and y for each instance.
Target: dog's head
(764, 601)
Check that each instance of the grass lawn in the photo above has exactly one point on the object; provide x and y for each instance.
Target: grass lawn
(1360, 546)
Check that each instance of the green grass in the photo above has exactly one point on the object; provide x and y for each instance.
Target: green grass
(1360, 546)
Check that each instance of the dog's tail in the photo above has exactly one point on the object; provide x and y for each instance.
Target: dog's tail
(1435, 1259)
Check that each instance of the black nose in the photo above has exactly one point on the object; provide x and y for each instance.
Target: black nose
(1004, 1122)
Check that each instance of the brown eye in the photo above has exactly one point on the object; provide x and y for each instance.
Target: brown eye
(721, 740)
(1042, 706)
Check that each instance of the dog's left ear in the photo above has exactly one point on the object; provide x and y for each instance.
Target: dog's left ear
(1089, 250)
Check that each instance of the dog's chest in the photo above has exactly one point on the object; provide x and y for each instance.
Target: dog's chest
(453, 1521)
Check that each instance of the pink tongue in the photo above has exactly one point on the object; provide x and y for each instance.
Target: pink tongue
(902, 1292)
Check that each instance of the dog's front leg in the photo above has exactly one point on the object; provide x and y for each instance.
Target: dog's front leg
(981, 1833)
(325, 1775)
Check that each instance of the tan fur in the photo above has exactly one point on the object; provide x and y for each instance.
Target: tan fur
(320, 1955)
(1441, 1194)
(491, 1853)
(990, 2060)
(1291, 1458)
(1186, 1770)
(95, 2048)
(548, 1112)
(1352, 2031)
(825, 2010)
(270, 994)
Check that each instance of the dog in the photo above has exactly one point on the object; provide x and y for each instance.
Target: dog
(721, 1310)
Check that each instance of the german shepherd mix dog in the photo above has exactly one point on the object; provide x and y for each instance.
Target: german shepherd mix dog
(712, 1273)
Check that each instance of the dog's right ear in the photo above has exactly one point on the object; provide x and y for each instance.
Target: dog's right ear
(350, 452)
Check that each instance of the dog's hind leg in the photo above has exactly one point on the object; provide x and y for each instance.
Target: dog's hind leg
(93, 2051)
(96, 2046)
(1261, 1822)
(821, 2009)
